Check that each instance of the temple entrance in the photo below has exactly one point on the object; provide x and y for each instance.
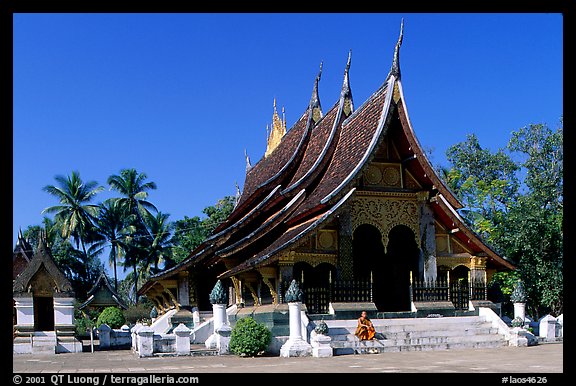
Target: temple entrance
(402, 257)
(315, 282)
(369, 261)
(43, 313)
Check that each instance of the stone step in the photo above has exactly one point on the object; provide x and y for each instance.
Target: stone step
(412, 322)
(352, 341)
(418, 334)
(337, 333)
(44, 349)
(380, 347)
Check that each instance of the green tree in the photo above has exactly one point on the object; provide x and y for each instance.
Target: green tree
(520, 218)
(158, 248)
(190, 232)
(113, 225)
(74, 216)
(133, 189)
(485, 182)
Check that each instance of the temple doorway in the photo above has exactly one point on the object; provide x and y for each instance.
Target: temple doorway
(315, 281)
(402, 257)
(43, 313)
(369, 261)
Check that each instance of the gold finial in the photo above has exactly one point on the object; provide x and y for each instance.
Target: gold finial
(277, 132)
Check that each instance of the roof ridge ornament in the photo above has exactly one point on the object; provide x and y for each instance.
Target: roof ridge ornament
(315, 106)
(346, 92)
(277, 132)
(395, 70)
(248, 164)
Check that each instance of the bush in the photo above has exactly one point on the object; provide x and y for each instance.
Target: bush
(112, 316)
(137, 313)
(249, 338)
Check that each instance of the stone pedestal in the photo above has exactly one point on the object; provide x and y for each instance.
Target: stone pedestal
(520, 311)
(104, 336)
(547, 327)
(182, 339)
(321, 345)
(223, 339)
(63, 311)
(145, 342)
(295, 346)
(219, 320)
(24, 313)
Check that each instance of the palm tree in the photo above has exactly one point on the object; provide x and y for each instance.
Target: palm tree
(130, 184)
(74, 216)
(159, 247)
(134, 190)
(113, 226)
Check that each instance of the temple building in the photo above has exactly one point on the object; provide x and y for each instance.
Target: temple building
(43, 301)
(102, 295)
(346, 202)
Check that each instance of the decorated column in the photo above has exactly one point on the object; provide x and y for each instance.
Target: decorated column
(518, 297)
(220, 339)
(295, 346)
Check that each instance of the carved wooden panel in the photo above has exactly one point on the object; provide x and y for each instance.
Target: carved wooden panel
(379, 174)
(385, 213)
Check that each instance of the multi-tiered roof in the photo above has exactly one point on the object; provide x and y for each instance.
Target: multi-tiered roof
(314, 171)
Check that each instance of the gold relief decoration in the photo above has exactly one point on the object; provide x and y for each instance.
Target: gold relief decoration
(453, 261)
(373, 175)
(391, 176)
(385, 214)
(410, 182)
(347, 107)
(396, 94)
(441, 243)
(237, 289)
(327, 239)
(315, 259)
(273, 291)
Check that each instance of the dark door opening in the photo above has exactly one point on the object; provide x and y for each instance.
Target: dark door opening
(369, 262)
(43, 313)
(402, 257)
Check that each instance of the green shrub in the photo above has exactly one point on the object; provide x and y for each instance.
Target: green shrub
(249, 338)
(112, 316)
(137, 313)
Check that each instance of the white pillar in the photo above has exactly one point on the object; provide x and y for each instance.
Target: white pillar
(219, 320)
(295, 346)
(520, 311)
(182, 339)
(145, 342)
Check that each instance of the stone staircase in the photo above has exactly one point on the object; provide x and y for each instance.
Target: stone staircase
(416, 334)
(44, 342)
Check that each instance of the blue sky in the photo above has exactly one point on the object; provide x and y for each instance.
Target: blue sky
(180, 96)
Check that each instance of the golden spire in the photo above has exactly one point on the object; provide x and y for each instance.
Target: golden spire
(277, 132)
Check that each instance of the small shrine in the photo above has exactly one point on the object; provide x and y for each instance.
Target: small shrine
(44, 304)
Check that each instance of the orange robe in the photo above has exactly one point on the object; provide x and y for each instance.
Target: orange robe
(365, 330)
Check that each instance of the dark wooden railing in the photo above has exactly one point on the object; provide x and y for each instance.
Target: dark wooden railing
(318, 298)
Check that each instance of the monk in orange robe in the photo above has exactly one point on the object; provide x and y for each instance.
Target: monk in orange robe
(365, 329)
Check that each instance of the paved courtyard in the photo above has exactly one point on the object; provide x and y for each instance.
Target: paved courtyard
(545, 358)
